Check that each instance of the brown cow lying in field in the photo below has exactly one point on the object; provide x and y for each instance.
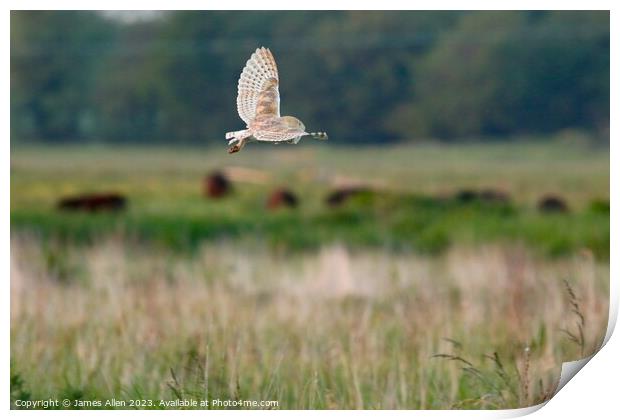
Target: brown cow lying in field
(487, 195)
(93, 202)
(216, 185)
(341, 195)
(552, 204)
(282, 198)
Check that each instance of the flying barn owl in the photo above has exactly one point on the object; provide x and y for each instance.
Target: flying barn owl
(258, 104)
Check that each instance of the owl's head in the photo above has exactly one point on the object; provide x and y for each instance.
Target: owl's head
(293, 123)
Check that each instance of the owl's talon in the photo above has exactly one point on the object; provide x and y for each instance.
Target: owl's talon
(234, 148)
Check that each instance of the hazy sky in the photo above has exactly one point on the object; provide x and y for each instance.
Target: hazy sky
(131, 16)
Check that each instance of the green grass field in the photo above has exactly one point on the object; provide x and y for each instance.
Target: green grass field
(404, 297)
(411, 210)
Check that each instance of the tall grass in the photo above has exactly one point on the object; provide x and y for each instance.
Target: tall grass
(331, 328)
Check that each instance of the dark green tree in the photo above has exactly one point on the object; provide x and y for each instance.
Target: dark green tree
(55, 57)
(499, 74)
(361, 76)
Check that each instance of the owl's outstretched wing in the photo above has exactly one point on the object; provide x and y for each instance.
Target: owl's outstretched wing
(258, 94)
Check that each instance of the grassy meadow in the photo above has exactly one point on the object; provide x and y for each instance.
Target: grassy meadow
(411, 207)
(402, 297)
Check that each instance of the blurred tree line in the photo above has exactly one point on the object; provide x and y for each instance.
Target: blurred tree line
(361, 76)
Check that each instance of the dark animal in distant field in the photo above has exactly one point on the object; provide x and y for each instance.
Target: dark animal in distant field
(339, 196)
(216, 185)
(552, 204)
(282, 198)
(93, 202)
(466, 196)
(490, 195)
(487, 195)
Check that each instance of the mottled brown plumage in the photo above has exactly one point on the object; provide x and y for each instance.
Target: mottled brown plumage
(258, 104)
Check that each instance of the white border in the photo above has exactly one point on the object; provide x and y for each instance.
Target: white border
(592, 394)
